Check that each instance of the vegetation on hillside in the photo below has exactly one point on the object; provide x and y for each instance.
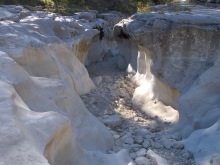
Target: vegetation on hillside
(71, 6)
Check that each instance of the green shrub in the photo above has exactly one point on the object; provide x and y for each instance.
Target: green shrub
(143, 7)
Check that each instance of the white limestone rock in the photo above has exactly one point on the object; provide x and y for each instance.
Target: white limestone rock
(138, 139)
(45, 119)
(41, 53)
(39, 99)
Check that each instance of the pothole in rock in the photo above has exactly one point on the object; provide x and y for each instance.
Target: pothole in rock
(111, 103)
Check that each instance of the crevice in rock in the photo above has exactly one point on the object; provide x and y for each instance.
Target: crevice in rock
(123, 35)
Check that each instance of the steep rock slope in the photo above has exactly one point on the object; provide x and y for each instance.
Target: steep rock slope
(43, 119)
(174, 58)
(34, 126)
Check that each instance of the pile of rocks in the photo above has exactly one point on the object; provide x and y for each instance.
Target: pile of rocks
(142, 136)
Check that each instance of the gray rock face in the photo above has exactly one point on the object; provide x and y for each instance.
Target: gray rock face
(174, 59)
(169, 48)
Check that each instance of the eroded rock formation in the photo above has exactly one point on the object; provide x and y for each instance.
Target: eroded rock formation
(174, 59)
(43, 120)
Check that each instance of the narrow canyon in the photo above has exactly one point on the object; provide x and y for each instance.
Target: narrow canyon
(108, 89)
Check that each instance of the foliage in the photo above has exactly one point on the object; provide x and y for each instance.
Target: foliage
(70, 6)
(143, 7)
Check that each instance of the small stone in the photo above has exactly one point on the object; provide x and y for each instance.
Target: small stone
(186, 155)
(118, 143)
(129, 140)
(133, 155)
(138, 139)
(156, 158)
(92, 101)
(157, 145)
(97, 80)
(116, 136)
(146, 144)
(113, 121)
(125, 135)
(143, 131)
(116, 149)
(167, 144)
(108, 79)
(131, 129)
(122, 101)
(136, 119)
(151, 136)
(142, 161)
(141, 152)
(178, 145)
